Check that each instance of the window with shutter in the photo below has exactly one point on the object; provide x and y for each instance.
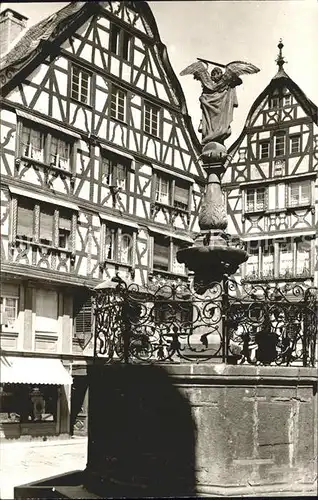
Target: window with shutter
(181, 195)
(83, 323)
(65, 223)
(46, 225)
(46, 309)
(161, 255)
(25, 220)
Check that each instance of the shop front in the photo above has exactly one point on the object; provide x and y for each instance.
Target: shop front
(34, 398)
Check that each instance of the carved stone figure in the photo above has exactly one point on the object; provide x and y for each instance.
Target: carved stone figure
(218, 97)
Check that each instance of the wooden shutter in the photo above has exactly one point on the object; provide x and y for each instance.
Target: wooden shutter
(161, 256)
(25, 219)
(83, 326)
(46, 224)
(181, 193)
(65, 220)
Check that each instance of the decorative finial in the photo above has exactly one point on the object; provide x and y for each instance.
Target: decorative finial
(280, 58)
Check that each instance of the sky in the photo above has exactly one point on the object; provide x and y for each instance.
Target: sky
(225, 31)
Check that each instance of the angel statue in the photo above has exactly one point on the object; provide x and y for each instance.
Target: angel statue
(218, 98)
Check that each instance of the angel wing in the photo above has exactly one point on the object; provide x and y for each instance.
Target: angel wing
(201, 70)
(241, 68)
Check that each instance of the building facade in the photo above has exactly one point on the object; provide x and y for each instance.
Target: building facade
(99, 176)
(271, 185)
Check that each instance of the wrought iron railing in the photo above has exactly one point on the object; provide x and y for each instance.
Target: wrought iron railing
(228, 322)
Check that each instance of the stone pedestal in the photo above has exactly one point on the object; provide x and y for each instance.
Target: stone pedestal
(189, 430)
(201, 430)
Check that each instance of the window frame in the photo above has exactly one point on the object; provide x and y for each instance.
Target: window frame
(277, 146)
(264, 142)
(117, 42)
(172, 246)
(172, 184)
(114, 163)
(117, 234)
(291, 139)
(56, 211)
(153, 127)
(47, 138)
(81, 71)
(300, 202)
(4, 314)
(274, 102)
(255, 191)
(115, 105)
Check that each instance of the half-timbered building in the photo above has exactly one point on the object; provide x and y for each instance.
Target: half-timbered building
(271, 185)
(99, 176)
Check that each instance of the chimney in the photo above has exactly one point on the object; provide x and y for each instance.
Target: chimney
(11, 25)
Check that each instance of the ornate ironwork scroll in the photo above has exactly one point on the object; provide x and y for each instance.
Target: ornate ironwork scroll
(229, 322)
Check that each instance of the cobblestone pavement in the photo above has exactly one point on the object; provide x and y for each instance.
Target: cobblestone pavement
(23, 462)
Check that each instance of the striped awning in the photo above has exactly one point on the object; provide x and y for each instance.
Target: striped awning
(23, 370)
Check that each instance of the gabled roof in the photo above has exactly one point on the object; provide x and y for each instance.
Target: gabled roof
(40, 31)
(281, 79)
(39, 40)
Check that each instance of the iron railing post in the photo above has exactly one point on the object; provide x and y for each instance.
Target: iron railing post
(225, 304)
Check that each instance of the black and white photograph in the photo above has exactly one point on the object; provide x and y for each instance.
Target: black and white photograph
(159, 249)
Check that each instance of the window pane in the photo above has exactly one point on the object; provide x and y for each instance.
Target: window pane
(250, 200)
(110, 244)
(305, 192)
(126, 248)
(162, 190)
(252, 262)
(280, 144)
(295, 144)
(303, 258)
(176, 266)
(268, 259)
(260, 199)
(285, 259)
(264, 149)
